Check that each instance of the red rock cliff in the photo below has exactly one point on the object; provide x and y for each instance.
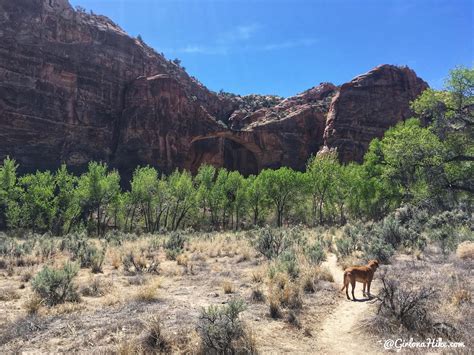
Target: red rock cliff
(75, 87)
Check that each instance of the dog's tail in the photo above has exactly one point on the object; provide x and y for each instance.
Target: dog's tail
(345, 283)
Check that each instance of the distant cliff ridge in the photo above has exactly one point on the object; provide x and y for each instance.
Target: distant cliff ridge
(75, 87)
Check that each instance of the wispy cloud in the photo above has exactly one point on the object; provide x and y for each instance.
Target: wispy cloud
(302, 42)
(239, 33)
(237, 40)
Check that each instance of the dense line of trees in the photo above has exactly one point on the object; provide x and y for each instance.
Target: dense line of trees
(424, 160)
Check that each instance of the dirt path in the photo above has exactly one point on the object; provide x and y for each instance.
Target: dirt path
(340, 333)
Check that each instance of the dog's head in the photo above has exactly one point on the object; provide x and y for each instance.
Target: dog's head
(373, 264)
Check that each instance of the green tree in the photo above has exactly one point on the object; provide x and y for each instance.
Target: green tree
(97, 189)
(451, 116)
(144, 188)
(9, 193)
(256, 197)
(204, 181)
(67, 207)
(182, 197)
(283, 188)
(412, 156)
(38, 204)
(321, 172)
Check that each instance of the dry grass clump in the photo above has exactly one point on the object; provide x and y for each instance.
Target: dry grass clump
(324, 274)
(465, 250)
(182, 260)
(115, 258)
(461, 296)
(258, 276)
(135, 262)
(228, 287)
(348, 261)
(96, 287)
(257, 295)
(307, 283)
(27, 274)
(148, 293)
(275, 307)
(32, 304)
(293, 319)
(8, 294)
(153, 340)
(290, 296)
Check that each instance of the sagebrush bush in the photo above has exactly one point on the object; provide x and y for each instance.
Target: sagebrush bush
(134, 263)
(93, 257)
(56, 286)
(220, 328)
(272, 242)
(174, 245)
(287, 262)
(315, 253)
(378, 249)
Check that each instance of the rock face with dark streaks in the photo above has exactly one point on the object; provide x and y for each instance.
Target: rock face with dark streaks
(75, 87)
(367, 106)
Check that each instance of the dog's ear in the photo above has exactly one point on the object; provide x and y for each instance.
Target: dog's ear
(376, 262)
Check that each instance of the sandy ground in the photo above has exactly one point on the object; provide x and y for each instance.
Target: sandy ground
(104, 323)
(340, 332)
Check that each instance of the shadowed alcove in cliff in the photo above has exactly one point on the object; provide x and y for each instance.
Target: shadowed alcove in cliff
(221, 152)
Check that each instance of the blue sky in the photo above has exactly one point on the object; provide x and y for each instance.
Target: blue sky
(286, 46)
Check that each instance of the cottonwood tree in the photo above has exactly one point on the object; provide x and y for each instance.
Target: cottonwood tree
(66, 207)
(321, 171)
(97, 189)
(9, 193)
(283, 188)
(256, 197)
(182, 197)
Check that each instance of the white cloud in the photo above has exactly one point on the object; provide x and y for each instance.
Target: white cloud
(303, 42)
(239, 33)
(231, 42)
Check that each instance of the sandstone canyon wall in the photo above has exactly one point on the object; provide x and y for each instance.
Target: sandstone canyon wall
(75, 87)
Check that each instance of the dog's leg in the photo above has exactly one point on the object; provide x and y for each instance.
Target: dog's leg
(369, 281)
(353, 284)
(363, 289)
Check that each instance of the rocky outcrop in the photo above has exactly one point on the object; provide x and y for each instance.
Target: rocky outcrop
(367, 106)
(75, 87)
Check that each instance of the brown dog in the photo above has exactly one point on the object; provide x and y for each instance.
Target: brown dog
(363, 274)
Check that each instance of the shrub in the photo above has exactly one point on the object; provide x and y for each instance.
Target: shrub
(96, 287)
(287, 262)
(274, 308)
(272, 242)
(405, 305)
(315, 254)
(154, 340)
(293, 319)
(220, 328)
(147, 293)
(138, 264)
(307, 283)
(257, 295)
(378, 249)
(345, 246)
(55, 286)
(228, 287)
(174, 245)
(92, 257)
(291, 296)
(465, 250)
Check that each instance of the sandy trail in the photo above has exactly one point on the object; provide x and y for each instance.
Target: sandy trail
(340, 332)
